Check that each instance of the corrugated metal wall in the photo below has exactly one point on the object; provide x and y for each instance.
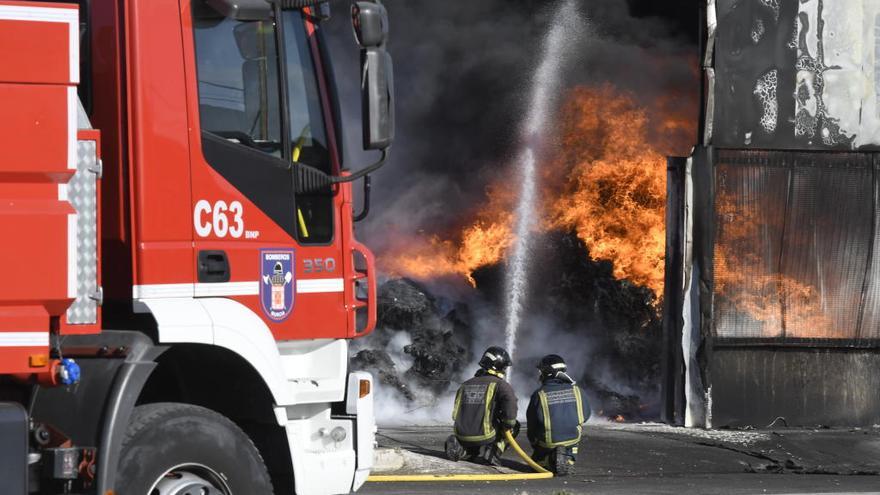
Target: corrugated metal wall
(795, 237)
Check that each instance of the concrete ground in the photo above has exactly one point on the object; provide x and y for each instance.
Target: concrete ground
(657, 459)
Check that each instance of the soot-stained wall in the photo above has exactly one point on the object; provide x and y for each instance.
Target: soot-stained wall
(805, 386)
(797, 74)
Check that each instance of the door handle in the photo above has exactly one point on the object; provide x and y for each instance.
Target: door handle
(213, 267)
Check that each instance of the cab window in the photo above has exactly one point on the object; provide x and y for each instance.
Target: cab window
(238, 72)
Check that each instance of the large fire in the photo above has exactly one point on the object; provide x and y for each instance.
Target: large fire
(615, 196)
(605, 179)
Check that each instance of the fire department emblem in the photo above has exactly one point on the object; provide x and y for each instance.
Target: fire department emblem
(276, 283)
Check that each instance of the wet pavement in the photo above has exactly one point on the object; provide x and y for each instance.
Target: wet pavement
(658, 459)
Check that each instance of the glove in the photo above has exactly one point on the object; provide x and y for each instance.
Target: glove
(512, 425)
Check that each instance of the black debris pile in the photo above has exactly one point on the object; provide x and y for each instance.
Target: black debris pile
(611, 404)
(437, 337)
(609, 328)
(379, 363)
(403, 305)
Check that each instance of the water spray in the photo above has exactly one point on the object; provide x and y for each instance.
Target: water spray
(566, 28)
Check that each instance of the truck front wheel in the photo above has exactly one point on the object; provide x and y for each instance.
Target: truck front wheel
(180, 449)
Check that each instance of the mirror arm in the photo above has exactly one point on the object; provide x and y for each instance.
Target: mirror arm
(309, 179)
(366, 210)
(364, 171)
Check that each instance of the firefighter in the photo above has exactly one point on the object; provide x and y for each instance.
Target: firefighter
(485, 407)
(556, 414)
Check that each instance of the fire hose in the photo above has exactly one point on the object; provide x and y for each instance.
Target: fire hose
(540, 472)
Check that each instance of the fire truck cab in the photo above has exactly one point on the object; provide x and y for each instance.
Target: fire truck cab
(180, 276)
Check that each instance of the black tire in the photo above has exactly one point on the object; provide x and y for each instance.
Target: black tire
(165, 436)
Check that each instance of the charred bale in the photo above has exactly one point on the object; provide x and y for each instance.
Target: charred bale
(403, 305)
(379, 363)
(438, 356)
(438, 338)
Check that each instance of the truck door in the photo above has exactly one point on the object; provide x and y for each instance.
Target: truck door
(261, 108)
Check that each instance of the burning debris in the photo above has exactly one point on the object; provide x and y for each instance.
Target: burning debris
(615, 192)
(606, 181)
(596, 263)
(600, 240)
(607, 328)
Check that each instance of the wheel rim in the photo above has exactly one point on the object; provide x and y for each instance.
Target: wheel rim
(190, 479)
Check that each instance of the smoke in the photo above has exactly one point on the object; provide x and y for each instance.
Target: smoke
(462, 75)
(462, 72)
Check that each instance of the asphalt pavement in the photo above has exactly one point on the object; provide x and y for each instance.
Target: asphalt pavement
(658, 459)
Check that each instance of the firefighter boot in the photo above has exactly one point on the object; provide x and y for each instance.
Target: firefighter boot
(562, 460)
(491, 454)
(454, 450)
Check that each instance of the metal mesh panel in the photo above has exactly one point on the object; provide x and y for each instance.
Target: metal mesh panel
(826, 246)
(750, 214)
(793, 245)
(870, 327)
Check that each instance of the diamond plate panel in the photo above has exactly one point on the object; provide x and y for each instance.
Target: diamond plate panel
(82, 194)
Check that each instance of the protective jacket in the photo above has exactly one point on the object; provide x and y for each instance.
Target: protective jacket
(483, 403)
(555, 414)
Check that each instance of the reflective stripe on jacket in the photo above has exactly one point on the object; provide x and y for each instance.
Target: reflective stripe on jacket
(479, 403)
(555, 414)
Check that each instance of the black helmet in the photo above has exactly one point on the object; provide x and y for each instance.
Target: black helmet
(551, 365)
(495, 358)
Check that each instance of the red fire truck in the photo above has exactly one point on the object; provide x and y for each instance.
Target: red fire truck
(180, 276)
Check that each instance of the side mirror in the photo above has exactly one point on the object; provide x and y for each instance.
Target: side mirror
(377, 96)
(370, 22)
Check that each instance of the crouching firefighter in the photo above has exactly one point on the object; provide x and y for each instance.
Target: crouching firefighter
(485, 407)
(556, 414)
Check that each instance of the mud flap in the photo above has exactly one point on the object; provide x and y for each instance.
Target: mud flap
(13, 448)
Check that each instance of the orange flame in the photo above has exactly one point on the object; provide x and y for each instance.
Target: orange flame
(615, 198)
(606, 181)
(484, 242)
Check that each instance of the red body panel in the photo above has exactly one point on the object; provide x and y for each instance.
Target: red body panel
(50, 67)
(34, 133)
(158, 145)
(145, 103)
(37, 139)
